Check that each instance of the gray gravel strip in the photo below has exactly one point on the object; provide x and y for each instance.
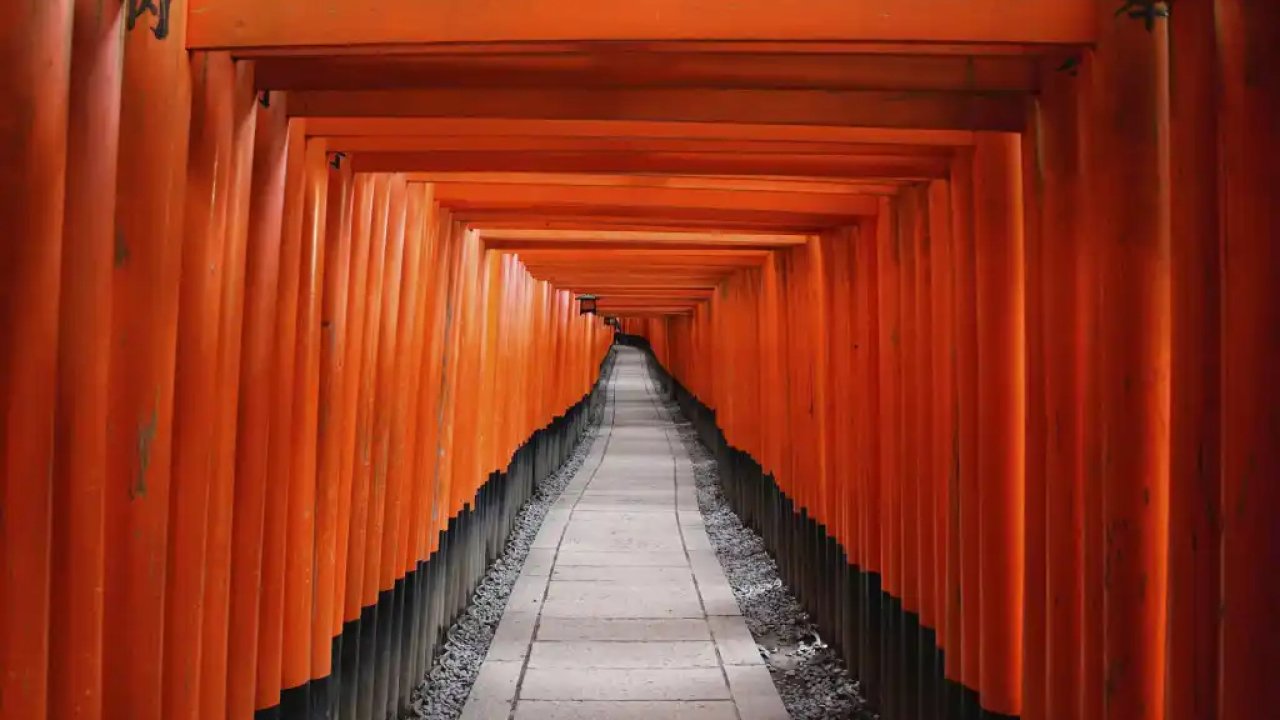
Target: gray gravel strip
(444, 692)
(810, 676)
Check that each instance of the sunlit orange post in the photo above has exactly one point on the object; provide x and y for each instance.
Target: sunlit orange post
(998, 244)
(301, 513)
(398, 461)
(35, 66)
(1130, 197)
(200, 301)
(256, 386)
(215, 629)
(374, 700)
(346, 600)
(151, 181)
(78, 551)
(1062, 248)
(275, 538)
(331, 413)
(1248, 40)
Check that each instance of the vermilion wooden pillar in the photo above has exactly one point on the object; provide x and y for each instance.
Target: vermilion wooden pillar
(357, 599)
(1034, 656)
(888, 274)
(35, 61)
(75, 689)
(300, 542)
(354, 372)
(1062, 340)
(216, 629)
(946, 580)
(998, 244)
(1249, 44)
(256, 385)
(332, 411)
(271, 619)
(200, 301)
(152, 181)
(965, 327)
(1129, 193)
(867, 379)
(1195, 417)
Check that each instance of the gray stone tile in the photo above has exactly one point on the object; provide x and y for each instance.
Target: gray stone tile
(493, 692)
(668, 558)
(754, 693)
(695, 538)
(512, 638)
(623, 629)
(624, 684)
(594, 654)
(587, 599)
(734, 640)
(634, 710)
(527, 594)
(539, 561)
(633, 575)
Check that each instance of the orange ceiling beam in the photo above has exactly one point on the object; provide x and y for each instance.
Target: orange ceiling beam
(566, 143)
(252, 23)
(901, 167)
(492, 236)
(632, 224)
(857, 108)
(473, 196)
(689, 182)
(623, 217)
(776, 47)
(608, 66)
(361, 124)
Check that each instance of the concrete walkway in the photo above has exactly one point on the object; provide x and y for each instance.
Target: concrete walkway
(623, 610)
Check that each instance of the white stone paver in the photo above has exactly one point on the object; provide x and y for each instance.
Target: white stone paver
(622, 611)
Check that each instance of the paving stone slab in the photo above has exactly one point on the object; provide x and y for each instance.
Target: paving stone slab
(624, 684)
(623, 629)
(668, 558)
(575, 655)
(641, 710)
(587, 599)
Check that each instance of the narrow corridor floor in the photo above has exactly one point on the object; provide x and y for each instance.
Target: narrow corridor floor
(622, 611)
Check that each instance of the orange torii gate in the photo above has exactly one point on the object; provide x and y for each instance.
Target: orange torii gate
(979, 296)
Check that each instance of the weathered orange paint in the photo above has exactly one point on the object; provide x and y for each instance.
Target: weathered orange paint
(257, 406)
(216, 630)
(199, 308)
(1129, 137)
(155, 113)
(271, 648)
(80, 432)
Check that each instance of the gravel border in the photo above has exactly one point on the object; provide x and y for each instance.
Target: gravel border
(443, 693)
(810, 676)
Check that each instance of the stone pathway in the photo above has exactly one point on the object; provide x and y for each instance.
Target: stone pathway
(622, 611)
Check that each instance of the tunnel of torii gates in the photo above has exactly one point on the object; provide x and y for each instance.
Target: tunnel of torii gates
(977, 301)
